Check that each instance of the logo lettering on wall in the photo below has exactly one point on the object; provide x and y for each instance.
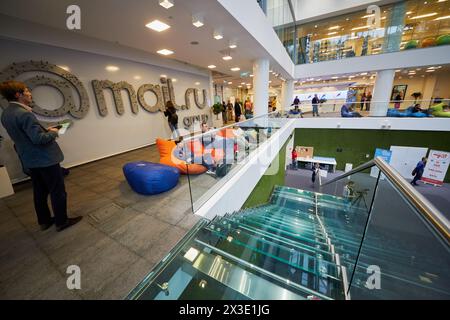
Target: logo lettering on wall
(67, 84)
(73, 22)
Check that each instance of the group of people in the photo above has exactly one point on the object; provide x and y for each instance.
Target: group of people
(365, 101)
(315, 102)
(39, 154)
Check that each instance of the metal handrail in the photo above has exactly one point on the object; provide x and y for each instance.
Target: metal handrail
(425, 207)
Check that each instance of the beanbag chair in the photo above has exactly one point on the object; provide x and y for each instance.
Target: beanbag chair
(437, 111)
(443, 40)
(411, 44)
(166, 150)
(150, 178)
(428, 42)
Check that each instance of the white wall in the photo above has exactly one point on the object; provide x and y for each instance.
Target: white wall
(386, 61)
(310, 10)
(252, 18)
(94, 136)
(442, 87)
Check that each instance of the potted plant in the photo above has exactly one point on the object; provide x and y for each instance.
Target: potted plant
(217, 108)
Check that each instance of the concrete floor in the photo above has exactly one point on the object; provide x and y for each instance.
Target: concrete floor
(121, 237)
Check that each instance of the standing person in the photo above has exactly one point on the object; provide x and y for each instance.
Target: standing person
(40, 156)
(172, 117)
(397, 101)
(294, 158)
(363, 101)
(315, 173)
(248, 109)
(315, 105)
(224, 112)
(418, 171)
(229, 110)
(237, 110)
(368, 99)
(296, 102)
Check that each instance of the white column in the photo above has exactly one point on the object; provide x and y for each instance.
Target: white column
(287, 93)
(428, 90)
(211, 90)
(261, 86)
(382, 93)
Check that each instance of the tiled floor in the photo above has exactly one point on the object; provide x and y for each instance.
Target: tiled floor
(121, 237)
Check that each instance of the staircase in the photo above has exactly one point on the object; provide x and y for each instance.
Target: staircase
(300, 245)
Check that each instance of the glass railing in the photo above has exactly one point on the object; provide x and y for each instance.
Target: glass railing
(222, 152)
(368, 235)
(403, 25)
(404, 251)
(356, 109)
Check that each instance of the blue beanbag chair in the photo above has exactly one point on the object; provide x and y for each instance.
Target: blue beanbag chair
(150, 178)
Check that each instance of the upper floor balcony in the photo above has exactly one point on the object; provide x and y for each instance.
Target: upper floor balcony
(374, 30)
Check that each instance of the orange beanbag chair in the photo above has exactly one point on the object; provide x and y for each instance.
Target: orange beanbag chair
(166, 148)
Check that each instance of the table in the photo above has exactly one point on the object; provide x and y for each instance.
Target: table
(330, 163)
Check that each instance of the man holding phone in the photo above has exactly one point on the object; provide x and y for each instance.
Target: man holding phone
(39, 153)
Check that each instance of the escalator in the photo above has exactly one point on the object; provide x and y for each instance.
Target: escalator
(315, 246)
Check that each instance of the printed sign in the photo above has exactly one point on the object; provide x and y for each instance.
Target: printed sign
(386, 155)
(436, 168)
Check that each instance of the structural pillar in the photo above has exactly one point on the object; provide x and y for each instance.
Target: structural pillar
(287, 94)
(260, 86)
(382, 93)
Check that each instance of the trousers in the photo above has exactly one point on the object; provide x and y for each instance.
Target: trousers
(49, 181)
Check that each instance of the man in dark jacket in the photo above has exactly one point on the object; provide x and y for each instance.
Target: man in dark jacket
(237, 110)
(315, 105)
(39, 153)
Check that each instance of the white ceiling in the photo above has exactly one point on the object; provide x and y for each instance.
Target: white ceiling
(123, 22)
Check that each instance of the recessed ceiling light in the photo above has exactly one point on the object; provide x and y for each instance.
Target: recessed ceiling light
(334, 28)
(232, 46)
(242, 82)
(432, 70)
(270, 81)
(211, 66)
(363, 73)
(227, 57)
(163, 75)
(230, 82)
(235, 69)
(174, 80)
(197, 83)
(331, 33)
(251, 76)
(398, 70)
(442, 18)
(166, 3)
(425, 15)
(165, 52)
(359, 28)
(218, 34)
(137, 78)
(112, 68)
(239, 86)
(334, 77)
(157, 25)
(197, 20)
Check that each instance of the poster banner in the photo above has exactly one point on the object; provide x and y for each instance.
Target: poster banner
(436, 168)
(386, 155)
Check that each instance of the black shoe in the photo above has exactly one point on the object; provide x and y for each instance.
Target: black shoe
(69, 222)
(45, 226)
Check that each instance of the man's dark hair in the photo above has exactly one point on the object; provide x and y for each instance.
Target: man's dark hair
(8, 89)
